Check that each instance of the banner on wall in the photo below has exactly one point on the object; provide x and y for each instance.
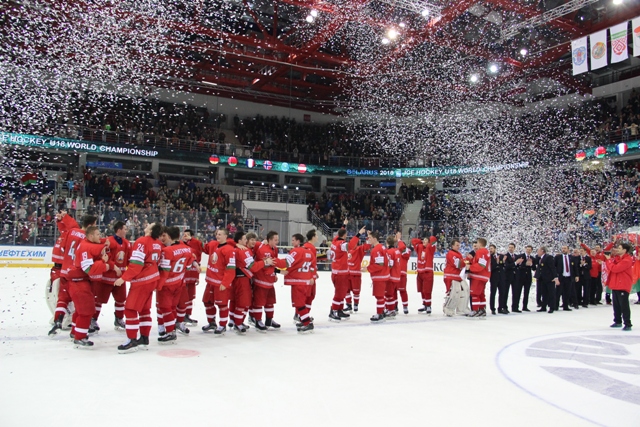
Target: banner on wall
(25, 256)
(598, 49)
(619, 50)
(579, 56)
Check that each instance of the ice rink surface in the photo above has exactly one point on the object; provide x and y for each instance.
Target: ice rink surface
(561, 369)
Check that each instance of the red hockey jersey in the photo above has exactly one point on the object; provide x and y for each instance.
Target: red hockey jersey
(174, 262)
(299, 262)
(480, 268)
(404, 259)
(197, 248)
(119, 254)
(314, 255)
(246, 264)
(454, 265)
(72, 241)
(266, 277)
(143, 264)
(425, 253)
(88, 264)
(394, 256)
(221, 268)
(379, 264)
(339, 256)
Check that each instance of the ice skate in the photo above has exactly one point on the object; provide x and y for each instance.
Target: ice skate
(94, 326)
(260, 327)
(161, 330)
(83, 343)
(220, 331)
(333, 316)
(305, 329)
(377, 318)
(348, 308)
(405, 310)
(428, 311)
(189, 321)
(210, 327)
(240, 329)
(56, 327)
(423, 310)
(355, 308)
(169, 338)
(343, 316)
(128, 347)
(270, 323)
(119, 325)
(143, 342)
(180, 327)
(391, 315)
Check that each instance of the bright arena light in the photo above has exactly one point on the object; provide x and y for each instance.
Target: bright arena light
(617, 2)
(425, 13)
(385, 40)
(392, 34)
(314, 13)
(402, 25)
(524, 51)
(493, 68)
(309, 19)
(473, 78)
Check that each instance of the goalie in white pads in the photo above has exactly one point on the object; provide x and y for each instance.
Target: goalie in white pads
(457, 298)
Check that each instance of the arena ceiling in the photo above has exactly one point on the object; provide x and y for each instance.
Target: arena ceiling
(309, 53)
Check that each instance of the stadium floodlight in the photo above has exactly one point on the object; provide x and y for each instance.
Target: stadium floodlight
(392, 34)
(524, 51)
(309, 19)
(425, 13)
(473, 78)
(385, 40)
(493, 68)
(314, 13)
(617, 2)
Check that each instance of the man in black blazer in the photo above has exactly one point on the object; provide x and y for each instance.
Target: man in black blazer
(510, 267)
(523, 278)
(497, 279)
(546, 280)
(584, 278)
(566, 276)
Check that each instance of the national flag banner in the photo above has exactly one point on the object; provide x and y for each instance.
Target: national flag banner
(29, 179)
(635, 33)
(598, 49)
(579, 56)
(619, 51)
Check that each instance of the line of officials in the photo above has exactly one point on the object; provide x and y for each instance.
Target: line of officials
(579, 282)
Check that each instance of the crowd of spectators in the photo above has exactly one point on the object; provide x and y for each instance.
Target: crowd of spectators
(621, 126)
(362, 209)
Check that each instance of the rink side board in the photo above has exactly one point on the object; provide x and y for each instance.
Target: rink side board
(25, 256)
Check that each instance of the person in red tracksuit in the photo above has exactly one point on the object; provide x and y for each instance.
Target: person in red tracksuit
(74, 237)
(597, 258)
(479, 273)
(90, 262)
(339, 255)
(191, 278)
(312, 241)
(425, 249)
(620, 281)
(356, 255)
(221, 270)
(143, 275)
(119, 251)
(379, 270)
(176, 259)
(394, 256)
(454, 264)
(264, 293)
(404, 264)
(299, 276)
(246, 267)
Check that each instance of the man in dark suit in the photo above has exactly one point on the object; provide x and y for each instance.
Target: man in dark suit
(523, 279)
(546, 280)
(584, 278)
(566, 276)
(510, 267)
(497, 279)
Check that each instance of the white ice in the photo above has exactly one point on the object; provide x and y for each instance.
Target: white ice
(416, 370)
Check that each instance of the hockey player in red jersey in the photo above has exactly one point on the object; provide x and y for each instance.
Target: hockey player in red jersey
(176, 259)
(191, 277)
(394, 256)
(312, 241)
(90, 262)
(454, 264)
(479, 273)
(354, 263)
(246, 267)
(119, 252)
(300, 276)
(74, 237)
(143, 275)
(405, 254)
(379, 270)
(339, 256)
(221, 270)
(264, 294)
(425, 249)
